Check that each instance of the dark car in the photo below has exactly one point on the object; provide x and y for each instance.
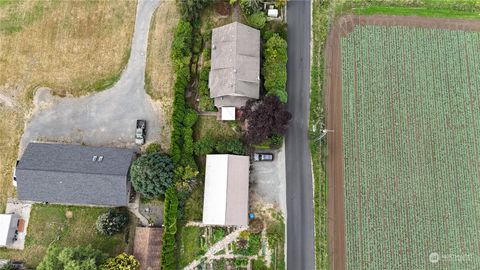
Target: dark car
(262, 157)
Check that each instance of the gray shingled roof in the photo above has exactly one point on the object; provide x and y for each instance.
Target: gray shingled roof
(235, 67)
(60, 173)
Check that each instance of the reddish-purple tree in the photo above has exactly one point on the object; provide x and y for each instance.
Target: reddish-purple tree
(264, 118)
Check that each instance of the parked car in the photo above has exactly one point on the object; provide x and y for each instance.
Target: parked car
(141, 132)
(262, 157)
(14, 180)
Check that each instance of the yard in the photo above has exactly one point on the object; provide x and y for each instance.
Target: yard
(65, 226)
(409, 110)
(71, 46)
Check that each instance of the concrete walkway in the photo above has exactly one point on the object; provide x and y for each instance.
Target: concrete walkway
(134, 208)
(107, 117)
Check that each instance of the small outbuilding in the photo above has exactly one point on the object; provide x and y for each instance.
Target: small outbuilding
(235, 67)
(225, 201)
(147, 247)
(74, 174)
(8, 229)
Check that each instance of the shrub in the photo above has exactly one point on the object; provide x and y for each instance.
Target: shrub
(230, 146)
(275, 67)
(257, 20)
(190, 118)
(276, 141)
(181, 44)
(121, 262)
(250, 6)
(190, 9)
(153, 148)
(111, 222)
(85, 258)
(152, 174)
(170, 224)
(204, 146)
(187, 144)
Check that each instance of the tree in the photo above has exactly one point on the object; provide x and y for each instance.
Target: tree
(190, 9)
(264, 118)
(111, 222)
(121, 262)
(72, 258)
(204, 146)
(152, 174)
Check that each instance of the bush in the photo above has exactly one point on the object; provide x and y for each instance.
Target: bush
(230, 146)
(275, 67)
(257, 20)
(181, 44)
(190, 118)
(85, 258)
(111, 222)
(153, 148)
(276, 141)
(204, 146)
(121, 262)
(250, 6)
(190, 9)
(152, 174)
(170, 224)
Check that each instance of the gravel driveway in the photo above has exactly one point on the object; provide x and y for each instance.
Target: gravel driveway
(107, 118)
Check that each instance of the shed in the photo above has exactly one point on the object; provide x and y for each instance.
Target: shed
(147, 247)
(8, 226)
(225, 201)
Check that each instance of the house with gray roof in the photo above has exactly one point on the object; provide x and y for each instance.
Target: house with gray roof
(235, 67)
(74, 174)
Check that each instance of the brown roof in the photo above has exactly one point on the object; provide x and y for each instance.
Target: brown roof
(147, 247)
(235, 66)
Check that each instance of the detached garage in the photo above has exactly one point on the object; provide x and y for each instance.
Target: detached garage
(225, 201)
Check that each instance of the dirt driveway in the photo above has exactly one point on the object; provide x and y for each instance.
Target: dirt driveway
(106, 118)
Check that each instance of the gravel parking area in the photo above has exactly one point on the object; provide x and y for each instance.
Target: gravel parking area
(267, 179)
(106, 118)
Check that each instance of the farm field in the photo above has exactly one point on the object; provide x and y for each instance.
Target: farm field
(408, 193)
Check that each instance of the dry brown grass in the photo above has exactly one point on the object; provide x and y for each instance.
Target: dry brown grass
(73, 47)
(159, 76)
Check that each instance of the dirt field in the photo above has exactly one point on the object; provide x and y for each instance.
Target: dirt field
(335, 161)
(70, 46)
(159, 75)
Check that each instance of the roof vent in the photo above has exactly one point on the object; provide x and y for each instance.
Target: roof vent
(94, 158)
(234, 71)
(100, 158)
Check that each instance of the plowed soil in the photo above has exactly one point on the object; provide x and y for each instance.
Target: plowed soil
(333, 105)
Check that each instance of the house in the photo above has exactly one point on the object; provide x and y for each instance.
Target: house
(235, 67)
(147, 247)
(74, 174)
(225, 201)
(8, 229)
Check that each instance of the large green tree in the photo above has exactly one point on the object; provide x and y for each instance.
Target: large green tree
(72, 258)
(152, 174)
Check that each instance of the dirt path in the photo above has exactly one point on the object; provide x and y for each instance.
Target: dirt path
(108, 117)
(333, 105)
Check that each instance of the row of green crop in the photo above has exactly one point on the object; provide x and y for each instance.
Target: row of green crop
(410, 123)
(320, 28)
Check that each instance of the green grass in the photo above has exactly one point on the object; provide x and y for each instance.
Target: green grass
(208, 125)
(320, 28)
(190, 245)
(47, 223)
(416, 11)
(411, 148)
(16, 21)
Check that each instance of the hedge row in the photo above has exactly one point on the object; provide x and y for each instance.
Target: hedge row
(208, 145)
(275, 67)
(170, 223)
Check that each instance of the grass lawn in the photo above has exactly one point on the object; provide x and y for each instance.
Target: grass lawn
(208, 125)
(190, 245)
(49, 224)
(159, 76)
(74, 47)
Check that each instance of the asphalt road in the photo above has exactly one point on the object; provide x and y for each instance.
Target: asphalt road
(300, 225)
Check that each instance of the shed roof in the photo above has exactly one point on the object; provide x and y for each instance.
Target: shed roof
(71, 174)
(5, 224)
(235, 68)
(147, 247)
(225, 199)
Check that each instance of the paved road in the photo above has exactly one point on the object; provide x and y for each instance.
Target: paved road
(107, 117)
(300, 226)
